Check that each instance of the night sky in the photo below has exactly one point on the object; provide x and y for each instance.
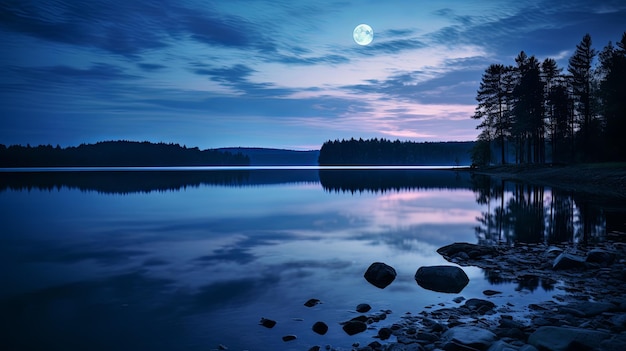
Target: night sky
(284, 74)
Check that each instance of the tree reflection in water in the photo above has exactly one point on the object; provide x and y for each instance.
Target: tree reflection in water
(522, 212)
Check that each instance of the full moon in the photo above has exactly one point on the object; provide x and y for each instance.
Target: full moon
(363, 34)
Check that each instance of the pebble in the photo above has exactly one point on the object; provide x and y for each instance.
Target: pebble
(291, 337)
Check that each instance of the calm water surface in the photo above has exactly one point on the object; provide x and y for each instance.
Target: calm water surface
(191, 260)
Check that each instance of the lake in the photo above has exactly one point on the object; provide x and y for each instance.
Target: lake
(190, 259)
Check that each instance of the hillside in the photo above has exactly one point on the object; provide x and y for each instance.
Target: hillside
(120, 153)
(276, 157)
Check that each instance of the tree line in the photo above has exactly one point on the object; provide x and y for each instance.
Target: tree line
(383, 152)
(120, 153)
(532, 111)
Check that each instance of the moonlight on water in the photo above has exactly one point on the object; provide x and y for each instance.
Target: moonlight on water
(363, 34)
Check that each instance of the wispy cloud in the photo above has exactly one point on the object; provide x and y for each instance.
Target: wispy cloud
(282, 73)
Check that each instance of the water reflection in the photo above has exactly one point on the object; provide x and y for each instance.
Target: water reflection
(382, 180)
(520, 212)
(127, 182)
(526, 282)
(191, 260)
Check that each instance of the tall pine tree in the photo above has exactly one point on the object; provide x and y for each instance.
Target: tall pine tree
(528, 110)
(492, 107)
(581, 82)
(612, 71)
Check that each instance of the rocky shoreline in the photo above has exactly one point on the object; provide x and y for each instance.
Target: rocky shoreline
(589, 313)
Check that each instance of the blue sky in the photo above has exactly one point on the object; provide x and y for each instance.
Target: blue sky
(283, 74)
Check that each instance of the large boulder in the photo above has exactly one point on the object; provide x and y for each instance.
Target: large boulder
(561, 338)
(472, 250)
(446, 279)
(380, 275)
(474, 337)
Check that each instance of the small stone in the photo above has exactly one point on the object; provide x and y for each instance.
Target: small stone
(289, 338)
(467, 336)
(222, 347)
(491, 292)
(363, 307)
(375, 345)
(384, 333)
(312, 302)
(315, 348)
(458, 299)
(479, 304)
(354, 327)
(320, 327)
(267, 323)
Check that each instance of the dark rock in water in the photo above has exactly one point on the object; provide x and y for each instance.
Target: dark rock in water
(446, 279)
(491, 292)
(380, 275)
(354, 327)
(268, 323)
(601, 257)
(479, 305)
(315, 348)
(289, 338)
(472, 250)
(375, 345)
(568, 261)
(562, 338)
(470, 336)
(458, 299)
(320, 327)
(510, 323)
(361, 318)
(312, 302)
(475, 304)
(384, 333)
(363, 307)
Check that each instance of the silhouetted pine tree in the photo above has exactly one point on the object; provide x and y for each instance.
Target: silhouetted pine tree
(492, 108)
(528, 126)
(581, 82)
(612, 72)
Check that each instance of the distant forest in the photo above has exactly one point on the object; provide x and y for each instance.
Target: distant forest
(533, 112)
(116, 153)
(394, 153)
